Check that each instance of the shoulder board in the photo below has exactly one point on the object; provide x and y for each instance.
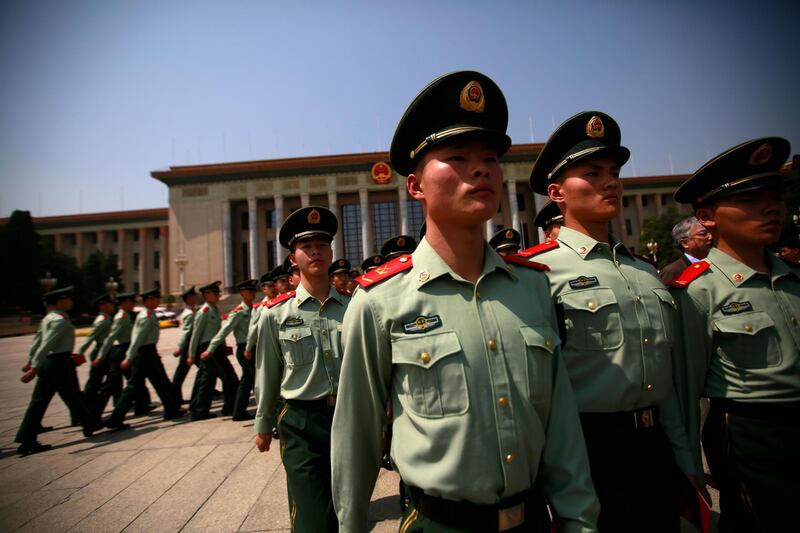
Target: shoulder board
(519, 259)
(124, 315)
(646, 259)
(257, 305)
(206, 309)
(149, 313)
(385, 271)
(690, 273)
(272, 302)
(539, 248)
(105, 317)
(225, 316)
(344, 293)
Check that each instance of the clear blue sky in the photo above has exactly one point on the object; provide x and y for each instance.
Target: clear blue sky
(96, 94)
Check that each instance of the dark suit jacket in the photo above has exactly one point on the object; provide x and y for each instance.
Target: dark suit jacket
(674, 269)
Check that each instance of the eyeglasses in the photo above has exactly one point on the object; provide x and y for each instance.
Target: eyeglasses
(703, 235)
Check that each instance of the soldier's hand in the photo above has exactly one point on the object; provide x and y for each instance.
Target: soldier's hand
(125, 364)
(177, 353)
(248, 354)
(263, 440)
(204, 356)
(29, 374)
(189, 361)
(97, 362)
(26, 367)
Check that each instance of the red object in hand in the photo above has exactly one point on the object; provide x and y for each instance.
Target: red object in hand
(78, 359)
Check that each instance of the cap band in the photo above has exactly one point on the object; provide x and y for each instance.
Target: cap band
(433, 137)
(734, 183)
(572, 157)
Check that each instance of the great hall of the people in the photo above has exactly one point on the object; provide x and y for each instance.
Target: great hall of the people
(223, 219)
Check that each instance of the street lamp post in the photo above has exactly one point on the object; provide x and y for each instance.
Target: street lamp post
(652, 247)
(48, 282)
(111, 286)
(181, 260)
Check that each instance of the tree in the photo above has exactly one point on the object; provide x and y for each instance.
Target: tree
(659, 229)
(97, 269)
(19, 262)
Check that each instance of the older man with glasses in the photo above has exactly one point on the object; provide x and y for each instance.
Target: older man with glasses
(694, 241)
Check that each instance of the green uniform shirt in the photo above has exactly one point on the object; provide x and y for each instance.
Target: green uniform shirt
(238, 322)
(206, 325)
(100, 328)
(619, 320)
(58, 336)
(741, 332)
(37, 340)
(145, 332)
(299, 353)
(252, 330)
(187, 322)
(482, 403)
(120, 333)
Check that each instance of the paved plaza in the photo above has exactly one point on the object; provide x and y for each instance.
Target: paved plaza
(157, 476)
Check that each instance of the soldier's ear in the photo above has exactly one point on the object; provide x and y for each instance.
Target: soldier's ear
(705, 216)
(414, 186)
(555, 193)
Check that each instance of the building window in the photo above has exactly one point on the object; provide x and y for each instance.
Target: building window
(156, 233)
(415, 217)
(92, 237)
(245, 221)
(136, 260)
(644, 200)
(270, 255)
(520, 201)
(624, 201)
(351, 224)
(114, 236)
(157, 283)
(384, 222)
(664, 198)
(156, 259)
(136, 286)
(628, 227)
(135, 235)
(270, 219)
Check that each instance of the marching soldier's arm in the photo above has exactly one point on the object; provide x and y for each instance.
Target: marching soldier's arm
(197, 332)
(99, 330)
(116, 327)
(360, 413)
(37, 340)
(139, 331)
(227, 326)
(186, 332)
(252, 330)
(50, 337)
(269, 373)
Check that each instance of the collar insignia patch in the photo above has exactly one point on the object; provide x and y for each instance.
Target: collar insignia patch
(293, 322)
(734, 308)
(421, 324)
(583, 282)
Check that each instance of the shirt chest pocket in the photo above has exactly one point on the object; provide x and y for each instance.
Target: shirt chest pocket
(297, 345)
(748, 340)
(592, 319)
(667, 310)
(430, 375)
(539, 345)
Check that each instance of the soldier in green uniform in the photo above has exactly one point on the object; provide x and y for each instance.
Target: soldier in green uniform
(37, 340)
(280, 278)
(298, 357)
(465, 345)
(339, 272)
(112, 353)
(186, 318)
(100, 329)
(397, 246)
(144, 363)
(372, 262)
(206, 324)
(550, 220)
(739, 309)
(618, 321)
(506, 241)
(238, 321)
(292, 273)
(51, 365)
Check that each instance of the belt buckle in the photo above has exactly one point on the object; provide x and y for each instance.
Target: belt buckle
(331, 400)
(644, 419)
(511, 517)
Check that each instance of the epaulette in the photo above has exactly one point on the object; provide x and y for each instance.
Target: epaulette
(385, 271)
(257, 305)
(237, 308)
(272, 302)
(148, 313)
(519, 259)
(206, 309)
(124, 315)
(344, 293)
(690, 273)
(224, 317)
(648, 260)
(539, 248)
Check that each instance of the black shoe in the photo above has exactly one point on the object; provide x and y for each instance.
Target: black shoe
(204, 416)
(275, 434)
(386, 462)
(246, 416)
(146, 410)
(177, 414)
(45, 429)
(116, 426)
(33, 447)
(226, 412)
(184, 402)
(216, 394)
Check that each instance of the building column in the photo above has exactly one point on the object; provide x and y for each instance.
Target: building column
(659, 207)
(227, 246)
(145, 259)
(305, 199)
(121, 251)
(514, 205)
(100, 236)
(338, 239)
(163, 264)
(79, 248)
(639, 219)
(402, 206)
(252, 222)
(280, 251)
(58, 242)
(366, 225)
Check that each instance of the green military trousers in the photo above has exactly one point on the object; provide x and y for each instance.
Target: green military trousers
(203, 390)
(305, 443)
(146, 366)
(55, 375)
(181, 371)
(230, 382)
(112, 386)
(755, 460)
(245, 383)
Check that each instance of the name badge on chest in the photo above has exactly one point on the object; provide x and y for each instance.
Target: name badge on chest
(583, 282)
(422, 324)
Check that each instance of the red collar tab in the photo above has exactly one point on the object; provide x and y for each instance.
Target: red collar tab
(279, 299)
(538, 249)
(691, 273)
(385, 271)
(519, 259)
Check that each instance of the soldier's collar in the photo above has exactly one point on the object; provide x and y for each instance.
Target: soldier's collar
(582, 244)
(428, 265)
(301, 294)
(734, 271)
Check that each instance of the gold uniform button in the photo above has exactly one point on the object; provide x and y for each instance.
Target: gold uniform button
(327, 353)
(477, 294)
(638, 298)
(591, 305)
(649, 386)
(748, 328)
(294, 337)
(794, 321)
(425, 357)
(646, 340)
(404, 259)
(492, 344)
(503, 401)
(548, 343)
(509, 458)
(324, 331)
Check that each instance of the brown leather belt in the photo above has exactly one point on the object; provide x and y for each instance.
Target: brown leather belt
(644, 418)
